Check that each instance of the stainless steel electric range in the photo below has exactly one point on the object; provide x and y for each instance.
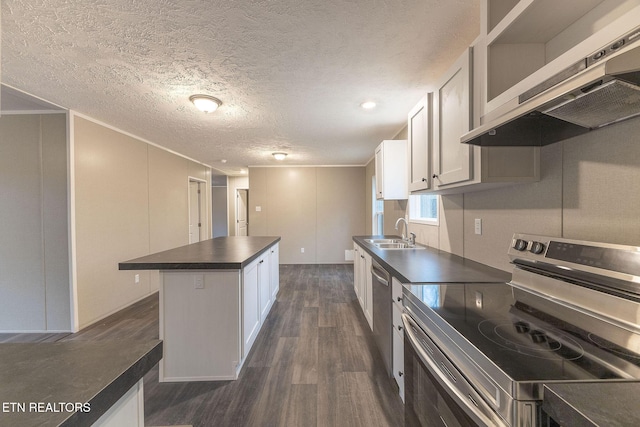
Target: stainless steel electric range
(480, 354)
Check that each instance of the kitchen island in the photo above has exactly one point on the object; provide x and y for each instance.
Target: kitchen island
(75, 383)
(214, 298)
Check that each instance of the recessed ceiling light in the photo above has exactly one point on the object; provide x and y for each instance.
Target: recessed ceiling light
(279, 156)
(368, 105)
(223, 161)
(205, 103)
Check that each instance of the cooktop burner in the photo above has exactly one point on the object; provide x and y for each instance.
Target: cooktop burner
(519, 337)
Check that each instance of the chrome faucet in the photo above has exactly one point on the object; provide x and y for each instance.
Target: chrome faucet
(411, 237)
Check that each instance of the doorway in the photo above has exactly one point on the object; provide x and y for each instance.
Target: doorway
(242, 212)
(196, 206)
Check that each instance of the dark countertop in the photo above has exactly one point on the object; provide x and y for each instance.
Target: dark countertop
(430, 265)
(221, 253)
(94, 372)
(603, 404)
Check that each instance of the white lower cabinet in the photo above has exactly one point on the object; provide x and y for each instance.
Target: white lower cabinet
(398, 336)
(274, 270)
(362, 282)
(257, 297)
(363, 286)
(264, 279)
(250, 306)
(357, 269)
(368, 290)
(209, 319)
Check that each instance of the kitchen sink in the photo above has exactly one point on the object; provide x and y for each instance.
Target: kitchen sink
(392, 244)
(397, 246)
(383, 241)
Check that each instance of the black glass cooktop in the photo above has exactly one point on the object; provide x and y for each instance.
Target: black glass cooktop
(528, 337)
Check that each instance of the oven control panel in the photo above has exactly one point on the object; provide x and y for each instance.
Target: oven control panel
(576, 254)
(535, 247)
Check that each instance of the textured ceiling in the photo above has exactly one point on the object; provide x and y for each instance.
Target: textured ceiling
(291, 74)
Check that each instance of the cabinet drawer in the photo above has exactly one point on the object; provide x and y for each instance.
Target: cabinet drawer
(398, 361)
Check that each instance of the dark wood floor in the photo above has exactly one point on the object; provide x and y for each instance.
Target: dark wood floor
(138, 321)
(314, 362)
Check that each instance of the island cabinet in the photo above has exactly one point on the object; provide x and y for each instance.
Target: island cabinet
(274, 270)
(214, 298)
(257, 297)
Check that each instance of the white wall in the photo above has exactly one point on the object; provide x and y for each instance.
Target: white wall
(34, 247)
(590, 190)
(315, 208)
(130, 201)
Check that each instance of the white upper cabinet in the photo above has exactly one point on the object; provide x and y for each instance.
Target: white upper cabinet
(530, 41)
(391, 170)
(455, 167)
(419, 133)
(452, 161)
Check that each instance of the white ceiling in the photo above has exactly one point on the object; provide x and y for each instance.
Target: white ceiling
(290, 74)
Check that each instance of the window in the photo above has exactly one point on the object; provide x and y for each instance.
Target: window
(423, 208)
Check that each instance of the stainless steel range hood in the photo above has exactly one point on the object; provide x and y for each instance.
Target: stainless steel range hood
(599, 90)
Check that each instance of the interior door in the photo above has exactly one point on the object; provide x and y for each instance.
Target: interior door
(195, 204)
(241, 212)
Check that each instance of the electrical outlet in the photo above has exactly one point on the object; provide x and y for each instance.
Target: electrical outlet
(478, 226)
(136, 278)
(198, 281)
(301, 250)
(479, 300)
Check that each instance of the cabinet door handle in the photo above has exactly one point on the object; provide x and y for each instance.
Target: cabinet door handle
(434, 176)
(400, 373)
(261, 261)
(424, 179)
(399, 299)
(400, 328)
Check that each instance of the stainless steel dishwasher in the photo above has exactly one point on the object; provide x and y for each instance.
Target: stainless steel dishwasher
(381, 281)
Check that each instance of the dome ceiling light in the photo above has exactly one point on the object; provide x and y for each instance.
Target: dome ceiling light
(205, 103)
(279, 156)
(368, 105)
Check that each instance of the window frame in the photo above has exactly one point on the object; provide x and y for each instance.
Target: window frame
(421, 220)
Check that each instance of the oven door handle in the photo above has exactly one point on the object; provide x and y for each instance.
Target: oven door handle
(471, 403)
